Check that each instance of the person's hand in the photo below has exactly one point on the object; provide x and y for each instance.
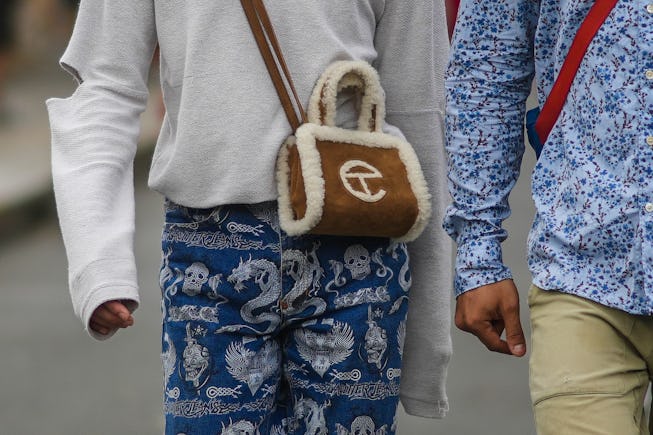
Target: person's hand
(110, 316)
(487, 310)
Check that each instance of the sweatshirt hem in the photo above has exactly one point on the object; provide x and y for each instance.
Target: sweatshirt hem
(426, 409)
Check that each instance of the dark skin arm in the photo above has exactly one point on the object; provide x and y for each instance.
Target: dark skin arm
(489, 310)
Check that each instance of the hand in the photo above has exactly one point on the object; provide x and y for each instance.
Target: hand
(110, 316)
(487, 310)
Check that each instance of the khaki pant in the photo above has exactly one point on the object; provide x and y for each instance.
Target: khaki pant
(590, 366)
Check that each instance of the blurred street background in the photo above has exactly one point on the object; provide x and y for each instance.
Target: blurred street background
(54, 379)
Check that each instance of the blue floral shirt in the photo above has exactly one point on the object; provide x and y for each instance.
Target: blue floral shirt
(593, 230)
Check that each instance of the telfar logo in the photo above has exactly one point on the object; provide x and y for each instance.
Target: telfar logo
(361, 171)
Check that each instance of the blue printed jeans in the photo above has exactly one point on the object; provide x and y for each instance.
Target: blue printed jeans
(269, 334)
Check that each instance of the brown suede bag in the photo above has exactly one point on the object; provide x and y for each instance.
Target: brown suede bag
(336, 181)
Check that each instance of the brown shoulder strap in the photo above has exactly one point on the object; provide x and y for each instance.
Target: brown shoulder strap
(261, 26)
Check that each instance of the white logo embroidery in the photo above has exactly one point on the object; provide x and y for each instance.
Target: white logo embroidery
(366, 195)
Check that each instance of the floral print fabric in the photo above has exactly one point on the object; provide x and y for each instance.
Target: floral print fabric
(593, 230)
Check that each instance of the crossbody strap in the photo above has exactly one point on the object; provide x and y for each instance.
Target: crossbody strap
(558, 94)
(268, 45)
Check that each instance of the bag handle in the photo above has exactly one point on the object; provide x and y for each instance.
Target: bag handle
(339, 75)
(558, 94)
(259, 22)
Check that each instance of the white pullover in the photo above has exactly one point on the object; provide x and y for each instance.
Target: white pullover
(224, 125)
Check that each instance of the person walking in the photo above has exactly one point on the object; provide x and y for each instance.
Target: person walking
(590, 245)
(262, 332)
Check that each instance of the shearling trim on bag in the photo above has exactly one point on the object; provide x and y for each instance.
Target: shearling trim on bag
(303, 203)
(313, 183)
(305, 140)
(345, 74)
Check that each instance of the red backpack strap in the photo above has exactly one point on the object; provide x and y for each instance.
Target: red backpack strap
(556, 99)
(452, 12)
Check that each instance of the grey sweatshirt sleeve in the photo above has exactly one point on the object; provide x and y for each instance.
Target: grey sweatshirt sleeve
(412, 45)
(94, 137)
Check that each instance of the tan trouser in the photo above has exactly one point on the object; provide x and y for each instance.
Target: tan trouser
(590, 366)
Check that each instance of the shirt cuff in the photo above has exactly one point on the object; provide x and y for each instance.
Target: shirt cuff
(479, 262)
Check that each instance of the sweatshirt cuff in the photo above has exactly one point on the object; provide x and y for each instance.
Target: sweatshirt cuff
(421, 408)
(100, 282)
(423, 388)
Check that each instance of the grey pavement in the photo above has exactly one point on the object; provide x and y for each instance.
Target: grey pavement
(55, 380)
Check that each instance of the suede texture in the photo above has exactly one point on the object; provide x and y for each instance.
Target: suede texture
(343, 213)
